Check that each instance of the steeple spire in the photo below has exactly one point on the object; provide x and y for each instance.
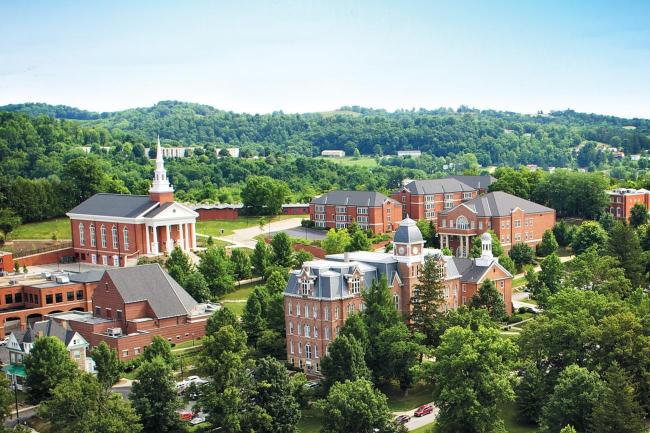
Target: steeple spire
(160, 182)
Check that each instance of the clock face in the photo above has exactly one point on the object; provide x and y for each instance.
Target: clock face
(416, 250)
(400, 250)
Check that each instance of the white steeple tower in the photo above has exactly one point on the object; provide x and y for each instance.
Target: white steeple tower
(160, 181)
(486, 251)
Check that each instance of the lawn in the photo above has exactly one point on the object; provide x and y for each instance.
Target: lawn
(509, 414)
(43, 230)
(518, 282)
(214, 227)
(310, 421)
(348, 161)
(236, 307)
(424, 429)
(241, 294)
(417, 396)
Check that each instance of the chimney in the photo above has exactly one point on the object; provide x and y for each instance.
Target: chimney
(346, 257)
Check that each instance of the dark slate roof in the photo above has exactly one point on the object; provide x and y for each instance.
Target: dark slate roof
(499, 203)
(330, 278)
(352, 198)
(152, 284)
(437, 186)
(407, 232)
(87, 277)
(476, 182)
(114, 205)
(45, 328)
(458, 266)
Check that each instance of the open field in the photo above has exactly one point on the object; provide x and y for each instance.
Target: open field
(242, 293)
(362, 161)
(43, 230)
(213, 227)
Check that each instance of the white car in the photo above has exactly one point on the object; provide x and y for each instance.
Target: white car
(197, 420)
(196, 379)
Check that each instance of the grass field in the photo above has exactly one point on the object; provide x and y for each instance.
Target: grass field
(236, 307)
(43, 230)
(213, 228)
(362, 161)
(417, 396)
(241, 293)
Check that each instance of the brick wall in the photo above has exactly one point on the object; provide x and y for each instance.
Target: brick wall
(217, 214)
(44, 258)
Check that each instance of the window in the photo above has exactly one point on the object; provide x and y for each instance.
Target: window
(304, 288)
(299, 328)
(105, 260)
(517, 223)
(320, 224)
(462, 223)
(308, 350)
(320, 216)
(298, 310)
(290, 308)
(9, 299)
(291, 346)
(444, 223)
(315, 331)
(327, 333)
(118, 314)
(362, 219)
(518, 236)
(336, 313)
(49, 299)
(341, 218)
(340, 209)
(355, 286)
(480, 225)
(69, 296)
(18, 297)
(429, 199)
(315, 311)
(502, 284)
(306, 311)
(125, 353)
(467, 195)
(446, 291)
(299, 348)
(82, 235)
(93, 259)
(126, 238)
(430, 206)
(316, 352)
(80, 294)
(307, 331)
(326, 313)
(290, 328)
(114, 237)
(350, 308)
(396, 301)
(464, 287)
(338, 329)
(109, 313)
(320, 208)
(102, 233)
(116, 261)
(98, 311)
(136, 350)
(362, 211)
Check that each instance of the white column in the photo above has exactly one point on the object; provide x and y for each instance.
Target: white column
(187, 237)
(169, 238)
(156, 247)
(181, 235)
(148, 247)
(193, 236)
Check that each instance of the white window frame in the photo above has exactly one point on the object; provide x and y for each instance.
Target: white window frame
(340, 209)
(82, 235)
(355, 286)
(362, 211)
(114, 238)
(102, 234)
(125, 235)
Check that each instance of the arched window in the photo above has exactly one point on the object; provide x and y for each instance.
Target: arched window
(93, 237)
(291, 346)
(462, 223)
(114, 237)
(126, 238)
(396, 301)
(82, 235)
(290, 328)
(102, 233)
(308, 350)
(290, 308)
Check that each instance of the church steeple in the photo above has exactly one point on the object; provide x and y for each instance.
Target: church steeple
(161, 190)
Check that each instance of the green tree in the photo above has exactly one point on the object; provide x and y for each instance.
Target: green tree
(594, 271)
(154, 397)
(6, 399)
(80, 404)
(590, 233)
(548, 245)
(625, 246)
(197, 287)
(263, 195)
(471, 379)
(359, 242)
(179, 265)
(217, 271)
(261, 257)
(220, 318)
(428, 300)
(522, 255)
(9, 221)
(282, 251)
(429, 233)
(617, 409)
(531, 393)
(253, 318)
(159, 347)
(47, 365)
(336, 241)
(489, 297)
(301, 257)
(564, 233)
(83, 177)
(277, 282)
(400, 350)
(355, 406)
(638, 215)
(241, 263)
(222, 356)
(107, 363)
(574, 396)
(568, 429)
(346, 361)
(551, 273)
(508, 264)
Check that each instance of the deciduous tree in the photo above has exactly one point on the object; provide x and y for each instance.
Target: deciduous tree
(638, 215)
(47, 365)
(336, 241)
(549, 244)
(590, 233)
(346, 361)
(489, 297)
(154, 397)
(282, 252)
(108, 365)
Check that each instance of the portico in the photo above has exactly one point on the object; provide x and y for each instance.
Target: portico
(163, 237)
(461, 242)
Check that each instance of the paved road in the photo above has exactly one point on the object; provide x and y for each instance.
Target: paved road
(519, 300)
(304, 233)
(246, 237)
(419, 421)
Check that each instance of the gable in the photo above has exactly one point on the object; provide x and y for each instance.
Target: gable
(495, 272)
(171, 212)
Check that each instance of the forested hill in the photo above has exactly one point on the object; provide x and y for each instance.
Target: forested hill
(494, 137)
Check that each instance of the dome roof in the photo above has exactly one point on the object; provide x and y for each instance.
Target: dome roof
(486, 237)
(408, 232)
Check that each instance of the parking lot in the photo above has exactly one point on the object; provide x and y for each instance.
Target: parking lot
(304, 233)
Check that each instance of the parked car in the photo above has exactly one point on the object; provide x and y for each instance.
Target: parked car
(313, 383)
(197, 420)
(423, 410)
(402, 419)
(185, 415)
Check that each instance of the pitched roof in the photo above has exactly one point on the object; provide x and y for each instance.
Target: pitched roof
(152, 284)
(476, 182)
(159, 209)
(437, 186)
(87, 276)
(115, 205)
(352, 198)
(499, 203)
(45, 328)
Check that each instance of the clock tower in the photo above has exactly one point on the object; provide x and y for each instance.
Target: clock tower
(407, 250)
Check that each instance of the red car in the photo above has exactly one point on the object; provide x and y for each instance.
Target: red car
(423, 410)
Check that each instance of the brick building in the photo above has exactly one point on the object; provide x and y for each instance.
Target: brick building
(622, 200)
(110, 229)
(132, 305)
(207, 212)
(371, 210)
(425, 199)
(512, 218)
(479, 183)
(323, 293)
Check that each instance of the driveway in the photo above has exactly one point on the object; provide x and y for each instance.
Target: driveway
(415, 423)
(245, 238)
(304, 233)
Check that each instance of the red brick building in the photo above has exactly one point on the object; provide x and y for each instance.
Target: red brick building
(622, 200)
(132, 305)
(513, 219)
(321, 295)
(371, 210)
(110, 229)
(207, 212)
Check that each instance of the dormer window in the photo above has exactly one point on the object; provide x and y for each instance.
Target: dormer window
(305, 288)
(355, 286)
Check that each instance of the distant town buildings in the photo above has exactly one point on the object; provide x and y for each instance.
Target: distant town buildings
(371, 210)
(333, 153)
(622, 200)
(411, 153)
(110, 229)
(322, 294)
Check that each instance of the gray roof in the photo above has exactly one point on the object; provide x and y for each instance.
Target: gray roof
(86, 277)
(437, 186)
(159, 209)
(152, 284)
(352, 198)
(476, 182)
(407, 232)
(499, 203)
(45, 328)
(115, 205)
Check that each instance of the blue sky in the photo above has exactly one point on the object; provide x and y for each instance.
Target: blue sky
(303, 56)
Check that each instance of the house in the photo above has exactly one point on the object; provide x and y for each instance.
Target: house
(295, 208)
(512, 218)
(371, 210)
(333, 153)
(20, 344)
(622, 200)
(112, 229)
(425, 199)
(411, 153)
(322, 294)
(132, 305)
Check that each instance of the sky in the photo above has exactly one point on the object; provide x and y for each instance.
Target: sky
(306, 56)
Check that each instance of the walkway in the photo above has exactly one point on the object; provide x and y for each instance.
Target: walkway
(245, 238)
